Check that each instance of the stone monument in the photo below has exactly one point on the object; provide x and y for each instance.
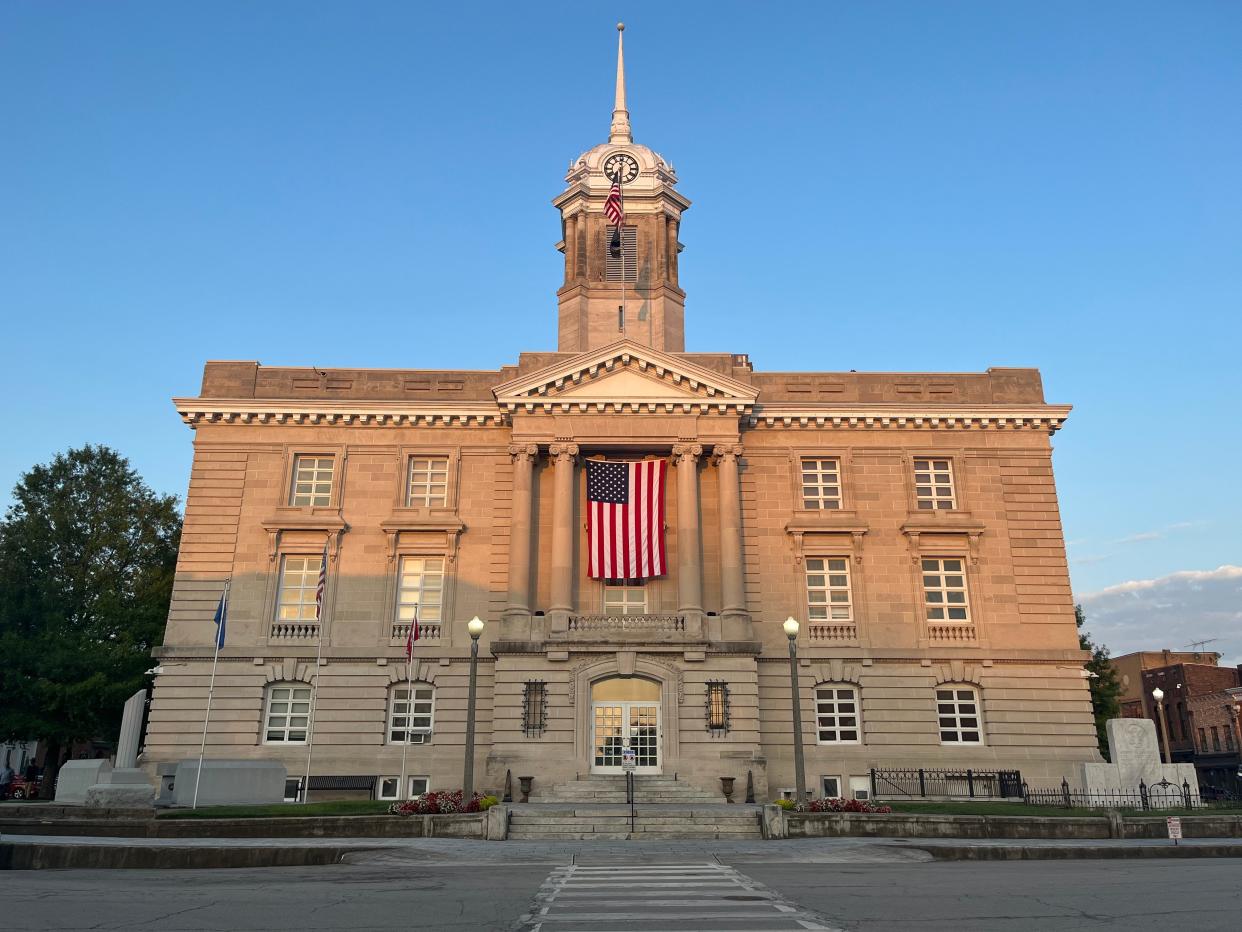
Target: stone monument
(1136, 761)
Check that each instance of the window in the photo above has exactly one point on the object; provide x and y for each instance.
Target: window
(832, 787)
(625, 600)
(534, 708)
(860, 787)
(428, 481)
(1228, 738)
(944, 589)
(312, 481)
(836, 714)
(957, 709)
(717, 706)
(828, 589)
(821, 484)
(933, 484)
(299, 578)
(1215, 738)
(388, 787)
(288, 713)
(421, 587)
(628, 257)
(409, 713)
(1202, 739)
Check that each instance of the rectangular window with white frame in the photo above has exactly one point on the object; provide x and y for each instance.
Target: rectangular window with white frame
(421, 588)
(299, 579)
(410, 711)
(287, 716)
(831, 787)
(388, 788)
(944, 589)
(836, 715)
(828, 589)
(625, 600)
(427, 482)
(821, 483)
(957, 713)
(934, 489)
(312, 481)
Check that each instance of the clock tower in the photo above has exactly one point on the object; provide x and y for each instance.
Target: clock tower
(621, 284)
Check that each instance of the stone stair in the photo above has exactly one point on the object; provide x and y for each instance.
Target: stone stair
(611, 789)
(551, 822)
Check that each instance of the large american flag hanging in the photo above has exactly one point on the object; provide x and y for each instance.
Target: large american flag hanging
(625, 519)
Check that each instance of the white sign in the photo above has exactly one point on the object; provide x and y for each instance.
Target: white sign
(1175, 827)
(629, 759)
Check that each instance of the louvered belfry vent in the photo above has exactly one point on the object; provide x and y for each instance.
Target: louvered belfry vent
(629, 254)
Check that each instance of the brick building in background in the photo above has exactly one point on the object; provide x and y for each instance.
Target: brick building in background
(908, 520)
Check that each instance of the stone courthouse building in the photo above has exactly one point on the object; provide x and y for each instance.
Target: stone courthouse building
(909, 521)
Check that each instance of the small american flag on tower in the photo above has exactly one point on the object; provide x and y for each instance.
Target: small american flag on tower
(412, 636)
(625, 519)
(613, 208)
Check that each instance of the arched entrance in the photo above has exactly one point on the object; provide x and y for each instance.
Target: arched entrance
(625, 712)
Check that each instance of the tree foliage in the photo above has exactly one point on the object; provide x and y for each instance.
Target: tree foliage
(1105, 687)
(87, 554)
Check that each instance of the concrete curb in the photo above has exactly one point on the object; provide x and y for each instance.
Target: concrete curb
(1076, 852)
(139, 857)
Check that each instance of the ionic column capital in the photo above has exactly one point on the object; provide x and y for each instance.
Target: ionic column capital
(523, 452)
(726, 451)
(563, 451)
(687, 452)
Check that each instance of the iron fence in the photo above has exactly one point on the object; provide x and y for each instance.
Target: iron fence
(1162, 795)
(922, 783)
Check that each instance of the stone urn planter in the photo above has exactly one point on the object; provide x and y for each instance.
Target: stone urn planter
(524, 785)
(726, 786)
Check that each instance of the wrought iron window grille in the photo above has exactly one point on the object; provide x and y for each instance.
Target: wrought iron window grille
(717, 707)
(534, 708)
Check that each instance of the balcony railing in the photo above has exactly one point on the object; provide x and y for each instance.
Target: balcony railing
(427, 631)
(613, 623)
(295, 631)
(958, 633)
(819, 633)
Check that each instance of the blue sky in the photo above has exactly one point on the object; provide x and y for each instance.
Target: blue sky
(886, 186)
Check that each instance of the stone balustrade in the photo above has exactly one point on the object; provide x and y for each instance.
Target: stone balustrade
(954, 633)
(845, 632)
(427, 631)
(295, 631)
(613, 623)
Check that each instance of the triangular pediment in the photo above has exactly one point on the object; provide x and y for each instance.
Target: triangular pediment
(626, 376)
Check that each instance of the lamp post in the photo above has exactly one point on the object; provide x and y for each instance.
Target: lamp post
(1158, 695)
(791, 631)
(475, 627)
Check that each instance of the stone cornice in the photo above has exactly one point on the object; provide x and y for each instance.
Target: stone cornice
(912, 417)
(301, 411)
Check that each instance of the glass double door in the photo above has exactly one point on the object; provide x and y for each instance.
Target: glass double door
(617, 725)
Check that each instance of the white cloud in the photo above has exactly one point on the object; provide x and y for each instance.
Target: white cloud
(1171, 611)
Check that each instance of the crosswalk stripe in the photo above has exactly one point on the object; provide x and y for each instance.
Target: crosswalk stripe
(631, 897)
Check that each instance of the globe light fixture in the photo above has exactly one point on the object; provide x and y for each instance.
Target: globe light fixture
(475, 627)
(791, 627)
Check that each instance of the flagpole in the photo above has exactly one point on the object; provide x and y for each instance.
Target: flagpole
(409, 709)
(621, 236)
(314, 700)
(211, 687)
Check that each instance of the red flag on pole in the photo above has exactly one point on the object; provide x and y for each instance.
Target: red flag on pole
(412, 636)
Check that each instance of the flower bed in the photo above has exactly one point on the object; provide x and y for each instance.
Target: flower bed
(443, 803)
(834, 805)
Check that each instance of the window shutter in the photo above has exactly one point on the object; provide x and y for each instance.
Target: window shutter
(629, 255)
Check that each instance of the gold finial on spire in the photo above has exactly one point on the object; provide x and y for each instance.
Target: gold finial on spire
(620, 131)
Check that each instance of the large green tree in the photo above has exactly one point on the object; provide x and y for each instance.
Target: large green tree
(1105, 687)
(87, 554)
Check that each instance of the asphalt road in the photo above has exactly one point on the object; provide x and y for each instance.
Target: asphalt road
(496, 894)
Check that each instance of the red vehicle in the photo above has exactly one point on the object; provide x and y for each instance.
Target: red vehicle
(24, 789)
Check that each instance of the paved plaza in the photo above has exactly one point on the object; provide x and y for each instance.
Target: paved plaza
(856, 885)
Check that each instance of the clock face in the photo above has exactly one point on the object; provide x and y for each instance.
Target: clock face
(621, 166)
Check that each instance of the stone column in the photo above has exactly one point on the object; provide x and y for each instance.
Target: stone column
(572, 222)
(689, 536)
(672, 250)
(564, 457)
(732, 582)
(517, 610)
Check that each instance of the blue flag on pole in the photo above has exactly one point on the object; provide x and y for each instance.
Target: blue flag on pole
(221, 618)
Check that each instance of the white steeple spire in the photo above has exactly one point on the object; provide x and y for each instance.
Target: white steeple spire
(620, 131)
